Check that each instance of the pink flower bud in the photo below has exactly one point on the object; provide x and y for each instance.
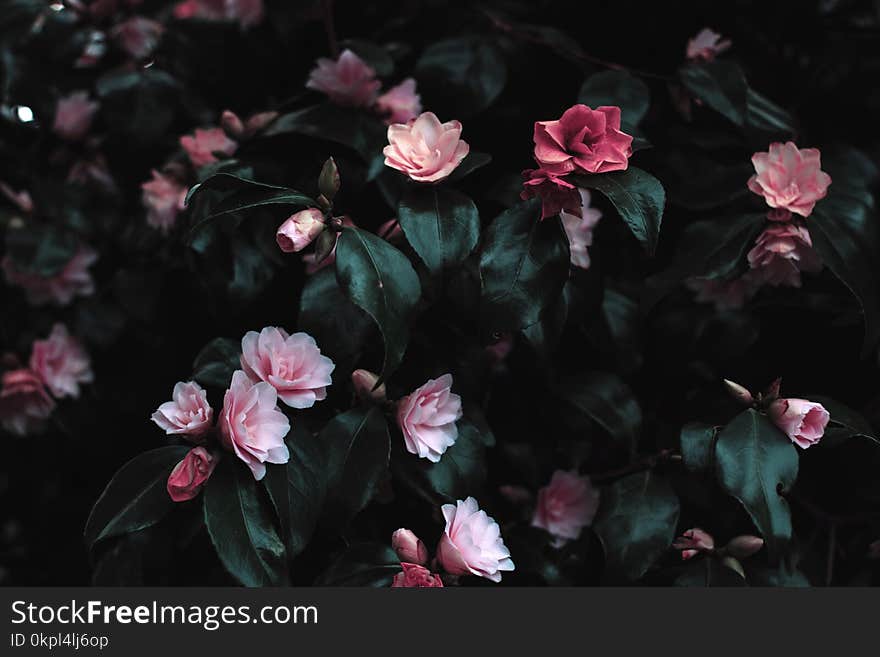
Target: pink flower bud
(300, 230)
(738, 392)
(802, 421)
(742, 547)
(409, 547)
(231, 124)
(692, 542)
(364, 383)
(188, 476)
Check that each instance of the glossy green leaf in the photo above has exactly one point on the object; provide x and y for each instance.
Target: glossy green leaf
(721, 85)
(216, 362)
(363, 564)
(606, 400)
(697, 441)
(621, 89)
(462, 468)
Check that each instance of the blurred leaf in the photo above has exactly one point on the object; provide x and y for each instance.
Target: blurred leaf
(698, 446)
(43, 250)
(845, 423)
(606, 400)
(364, 564)
(765, 115)
(215, 363)
(621, 89)
(720, 84)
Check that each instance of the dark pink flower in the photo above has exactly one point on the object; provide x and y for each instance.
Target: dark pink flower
(789, 178)
(61, 362)
(692, 542)
(188, 476)
(245, 12)
(138, 36)
(782, 252)
(557, 194)
(25, 405)
(348, 80)
(164, 197)
(416, 576)
(203, 144)
(725, 294)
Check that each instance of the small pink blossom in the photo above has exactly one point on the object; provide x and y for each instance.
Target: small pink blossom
(583, 139)
(348, 80)
(25, 405)
(789, 178)
(726, 295)
(300, 230)
(566, 505)
(472, 543)
(188, 414)
(802, 421)
(251, 425)
(425, 149)
(202, 146)
(138, 36)
(73, 116)
(706, 45)
(416, 576)
(409, 547)
(579, 229)
(73, 280)
(164, 197)
(188, 476)
(427, 418)
(557, 194)
(245, 12)
(692, 542)
(61, 362)
(292, 364)
(400, 104)
(782, 252)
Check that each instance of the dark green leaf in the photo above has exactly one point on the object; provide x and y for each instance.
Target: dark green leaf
(376, 56)
(365, 564)
(763, 114)
(469, 164)
(845, 423)
(606, 400)
(462, 468)
(720, 84)
(216, 362)
(709, 572)
(41, 250)
(618, 88)
(698, 446)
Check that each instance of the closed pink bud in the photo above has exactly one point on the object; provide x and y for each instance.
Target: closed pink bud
(471, 543)
(61, 362)
(416, 576)
(742, 547)
(584, 140)
(259, 121)
(409, 547)
(802, 421)
(233, 125)
(425, 149)
(738, 392)
(789, 178)
(427, 418)
(364, 383)
(188, 476)
(692, 542)
(300, 230)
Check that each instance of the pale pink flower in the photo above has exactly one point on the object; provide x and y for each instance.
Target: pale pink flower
(401, 103)
(706, 45)
(348, 80)
(188, 476)
(202, 146)
(416, 576)
(725, 294)
(245, 12)
(427, 418)
(61, 362)
(300, 230)
(802, 421)
(409, 547)
(566, 505)
(138, 36)
(292, 364)
(25, 405)
(579, 230)
(188, 414)
(252, 426)
(782, 252)
(472, 543)
(73, 280)
(164, 197)
(693, 542)
(73, 116)
(425, 149)
(789, 178)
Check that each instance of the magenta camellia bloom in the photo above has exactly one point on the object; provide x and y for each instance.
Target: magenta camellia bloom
(164, 197)
(427, 418)
(725, 294)
(73, 116)
(416, 576)
(409, 547)
(251, 425)
(73, 280)
(300, 230)
(138, 36)
(566, 505)
(61, 362)
(400, 104)
(584, 140)
(348, 80)
(579, 229)
(557, 194)
(693, 542)
(245, 12)
(706, 45)
(425, 149)
(188, 476)
(203, 144)
(782, 252)
(291, 364)
(801, 420)
(25, 404)
(188, 413)
(789, 178)
(472, 543)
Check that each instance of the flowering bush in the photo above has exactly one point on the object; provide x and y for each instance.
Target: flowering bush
(354, 295)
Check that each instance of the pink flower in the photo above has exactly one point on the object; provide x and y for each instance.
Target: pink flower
(164, 199)
(400, 104)
(416, 576)
(566, 505)
(61, 362)
(364, 383)
(202, 146)
(789, 178)
(425, 149)
(300, 230)
(692, 542)
(348, 80)
(188, 476)
(73, 116)
(92, 169)
(25, 404)
(579, 229)
(409, 547)
(706, 45)
(138, 36)
(245, 12)
(189, 412)
(583, 139)
(251, 424)
(292, 364)
(427, 418)
(802, 421)
(472, 543)
(726, 295)
(73, 280)
(782, 252)
(557, 194)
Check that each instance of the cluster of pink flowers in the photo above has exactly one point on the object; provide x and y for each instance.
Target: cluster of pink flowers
(275, 366)
(60, 288)
(471, 544)
(58, 365)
